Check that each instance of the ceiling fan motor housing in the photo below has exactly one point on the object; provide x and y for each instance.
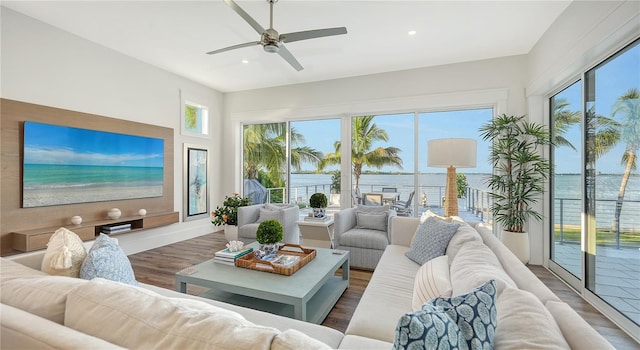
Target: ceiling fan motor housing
(270, 40)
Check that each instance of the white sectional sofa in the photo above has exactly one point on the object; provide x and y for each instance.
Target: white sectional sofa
(390, 292)
(39, 311)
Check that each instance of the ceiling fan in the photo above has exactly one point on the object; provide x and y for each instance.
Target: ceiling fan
(273, 42)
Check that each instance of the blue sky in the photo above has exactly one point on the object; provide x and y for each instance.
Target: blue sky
(53, 144)
(612, 80)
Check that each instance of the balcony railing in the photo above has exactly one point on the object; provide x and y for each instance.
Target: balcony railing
(568, 212)
(476, 200)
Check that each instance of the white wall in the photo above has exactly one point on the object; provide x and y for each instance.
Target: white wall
(44, 65)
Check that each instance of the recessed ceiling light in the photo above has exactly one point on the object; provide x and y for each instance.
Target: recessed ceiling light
(245, 61)
(412, 32)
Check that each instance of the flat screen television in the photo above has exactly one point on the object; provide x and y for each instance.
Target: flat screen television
(66, 165)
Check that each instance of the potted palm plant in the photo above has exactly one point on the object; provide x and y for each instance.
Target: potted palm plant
(318, 201)
(519, 175)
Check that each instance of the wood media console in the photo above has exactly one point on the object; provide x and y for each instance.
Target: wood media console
(29, 240)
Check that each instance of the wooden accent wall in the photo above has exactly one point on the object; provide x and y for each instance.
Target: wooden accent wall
(13, 217)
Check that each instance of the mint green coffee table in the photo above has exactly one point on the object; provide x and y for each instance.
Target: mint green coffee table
(308, 295)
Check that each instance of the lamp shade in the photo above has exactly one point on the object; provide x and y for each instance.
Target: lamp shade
(459, 153)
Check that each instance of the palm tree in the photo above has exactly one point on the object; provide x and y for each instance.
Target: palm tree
(628, 107)
(365, 133)
(265, 149)
(562, 121)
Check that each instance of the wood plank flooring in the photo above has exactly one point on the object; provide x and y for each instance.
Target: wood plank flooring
(158, 267)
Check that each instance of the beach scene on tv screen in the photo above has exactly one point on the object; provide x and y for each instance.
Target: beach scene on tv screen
(65, 165)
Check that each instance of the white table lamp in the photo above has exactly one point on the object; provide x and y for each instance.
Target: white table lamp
(451, 154)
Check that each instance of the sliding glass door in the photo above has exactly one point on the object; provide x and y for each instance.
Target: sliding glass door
(612, 185)
(566, 179)
(595, 227)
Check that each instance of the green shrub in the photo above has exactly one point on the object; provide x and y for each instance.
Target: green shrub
(335, 182)
(461, 184)
(318, 200)
(269, 232)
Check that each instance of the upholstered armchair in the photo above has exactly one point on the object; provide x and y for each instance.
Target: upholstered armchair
(364, 232)
(250, 217)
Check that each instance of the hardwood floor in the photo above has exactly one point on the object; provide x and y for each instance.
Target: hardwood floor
(158, 267)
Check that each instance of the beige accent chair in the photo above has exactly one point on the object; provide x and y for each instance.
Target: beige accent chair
(250, 217)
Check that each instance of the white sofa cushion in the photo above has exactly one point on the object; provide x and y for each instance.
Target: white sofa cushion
(464, 234)
(292, 339)
(65, 254)
(524, 323)
(23, 330)
(474, 265)
(356, 342)
(387, 297)
(44, 296)
(136, 318)
(10, 269)
(324, 334)
(521, 275)
(432, 281)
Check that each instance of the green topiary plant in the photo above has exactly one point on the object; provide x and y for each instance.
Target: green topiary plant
(269, 232)
(318, 200)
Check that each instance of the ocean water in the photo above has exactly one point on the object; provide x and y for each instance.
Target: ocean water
(45, 185)
(42, 176)
(568, 189)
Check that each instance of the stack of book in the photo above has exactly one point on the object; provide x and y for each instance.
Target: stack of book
(115, 228)
(311, 218)
(225, 256)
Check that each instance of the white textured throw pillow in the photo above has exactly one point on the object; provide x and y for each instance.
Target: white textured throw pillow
(432, 281)
(65, 254)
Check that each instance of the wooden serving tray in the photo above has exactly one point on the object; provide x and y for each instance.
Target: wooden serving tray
(249, 261)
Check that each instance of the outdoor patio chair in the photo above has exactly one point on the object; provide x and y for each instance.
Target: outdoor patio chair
(356, 197)
(372, 199)
(391, 189)
(404, 208)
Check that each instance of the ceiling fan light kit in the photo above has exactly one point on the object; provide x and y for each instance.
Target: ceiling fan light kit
(271, 41)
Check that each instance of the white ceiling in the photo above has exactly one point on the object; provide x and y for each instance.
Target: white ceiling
(174, 35)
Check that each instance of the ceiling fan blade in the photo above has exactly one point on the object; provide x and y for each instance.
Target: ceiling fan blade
(284, 53)
(252, 22)
(312, 34)
(253, 43)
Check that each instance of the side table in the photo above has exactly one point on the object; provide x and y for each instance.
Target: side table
(317, 233)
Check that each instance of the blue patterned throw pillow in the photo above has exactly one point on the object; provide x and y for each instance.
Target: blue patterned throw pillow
(428, 328)
(431, 240)
(474, 314)
(107, 260)
(465, 321)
